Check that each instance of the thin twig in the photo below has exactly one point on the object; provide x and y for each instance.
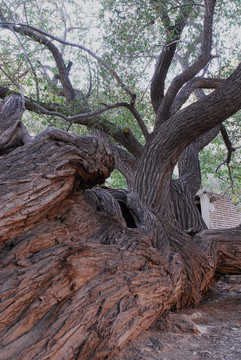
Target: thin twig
(13, 82)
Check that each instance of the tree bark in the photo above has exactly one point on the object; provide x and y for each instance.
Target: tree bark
(171, 138)
(13, 131)
(84, 270)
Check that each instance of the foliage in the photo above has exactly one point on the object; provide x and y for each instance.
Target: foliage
(217, 175)
(116, 180)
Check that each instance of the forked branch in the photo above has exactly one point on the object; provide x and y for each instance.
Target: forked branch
(165, 59)
(177, 83)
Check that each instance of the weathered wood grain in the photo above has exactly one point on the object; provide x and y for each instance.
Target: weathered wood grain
(82, 284)
(84, 270)
(36, 177)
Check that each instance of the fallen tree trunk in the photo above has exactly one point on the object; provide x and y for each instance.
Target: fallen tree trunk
(84, 271)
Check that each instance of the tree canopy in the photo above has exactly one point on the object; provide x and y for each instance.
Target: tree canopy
(91, 64)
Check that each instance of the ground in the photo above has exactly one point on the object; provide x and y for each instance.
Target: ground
(211, 331)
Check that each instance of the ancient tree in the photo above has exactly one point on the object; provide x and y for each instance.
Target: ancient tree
(85, 269)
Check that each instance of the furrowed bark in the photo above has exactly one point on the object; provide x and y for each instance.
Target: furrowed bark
(227, 251)
(164, 110)
(81, 284)
(189, 169)
(71, 163)
(53, 164)
(84, 271)
(126, 164)
(169, 140)
(184, 189)
(186, 214)
(190, 87)
(165, 59)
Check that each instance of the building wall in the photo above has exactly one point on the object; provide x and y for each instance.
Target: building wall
(218, 211)
(205, 207)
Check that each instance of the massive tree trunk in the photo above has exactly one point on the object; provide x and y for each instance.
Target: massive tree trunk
(171, 137)
(84, 270)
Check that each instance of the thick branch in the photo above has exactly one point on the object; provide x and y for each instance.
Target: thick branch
(13, 132)
(206, 113)
(188, 162)
(176, 84)
(189, 169)
(190, 87)
(139, 120)
(207, 137)
(126, 164)
(170, 139)
(89, 119)
(228, 143)
(173, 35)
(227, 249)
(92, 283)
(95, 268)
(37, 176)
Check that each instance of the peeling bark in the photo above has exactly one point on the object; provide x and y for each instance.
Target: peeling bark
(84, 270)
(81, 284)
(36, 177)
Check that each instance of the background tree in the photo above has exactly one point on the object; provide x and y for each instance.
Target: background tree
(93, 268)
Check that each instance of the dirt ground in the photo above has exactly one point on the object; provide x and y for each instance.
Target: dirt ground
(211, 331)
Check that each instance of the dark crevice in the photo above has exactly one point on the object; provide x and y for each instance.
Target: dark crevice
(127, 215)
(198, 204)
(6, 150)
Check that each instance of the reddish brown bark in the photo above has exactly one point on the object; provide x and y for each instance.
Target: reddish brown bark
(84, 271)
